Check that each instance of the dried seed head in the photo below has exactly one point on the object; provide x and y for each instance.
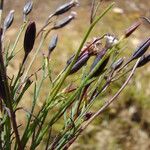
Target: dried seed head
(82, 60)
(144, 60)
(110, 40)
(9, 20)
(131, 29)
(66, 7)
(142, 48)
(65, 21)
(29, 38)
(27, 8)
(52, 44)
(116, 65)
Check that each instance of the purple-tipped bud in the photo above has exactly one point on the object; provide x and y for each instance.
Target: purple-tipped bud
(64, 22)
(131, 29)
(82, 60)
(52, 44)
(144, 60)
(9, 20)
(141, 49)
(27, 8)
(116, 65)
(66, 7)
(102, 66)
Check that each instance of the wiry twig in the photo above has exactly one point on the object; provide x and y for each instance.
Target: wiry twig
(113, 98)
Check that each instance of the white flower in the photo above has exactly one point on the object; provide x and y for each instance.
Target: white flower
(110, 40)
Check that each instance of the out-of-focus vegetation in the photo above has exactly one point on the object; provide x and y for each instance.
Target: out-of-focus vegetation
(126, 124)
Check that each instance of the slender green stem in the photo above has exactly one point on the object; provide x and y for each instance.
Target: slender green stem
(70, 100)
(45, 108)
(113, 98)
(33, 59)
(18, 37)
(107, 103)
(61, 80)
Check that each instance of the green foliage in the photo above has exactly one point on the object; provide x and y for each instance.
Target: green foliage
(68, 105)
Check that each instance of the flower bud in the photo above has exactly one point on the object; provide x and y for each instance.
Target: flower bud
(101, 68)
(9, 20)
(98, 58)
(110, 40)
(64, 8)
(117, 64)
(80, 63)
(52, 44)
(143, 61)
(64, 22)
(131, 29)
(96, 61)
(29, 37)
(27, 8)
(141, 49)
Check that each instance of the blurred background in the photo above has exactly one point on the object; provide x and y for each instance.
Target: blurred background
(126, 124)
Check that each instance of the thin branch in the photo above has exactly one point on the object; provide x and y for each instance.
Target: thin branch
(113, 98)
